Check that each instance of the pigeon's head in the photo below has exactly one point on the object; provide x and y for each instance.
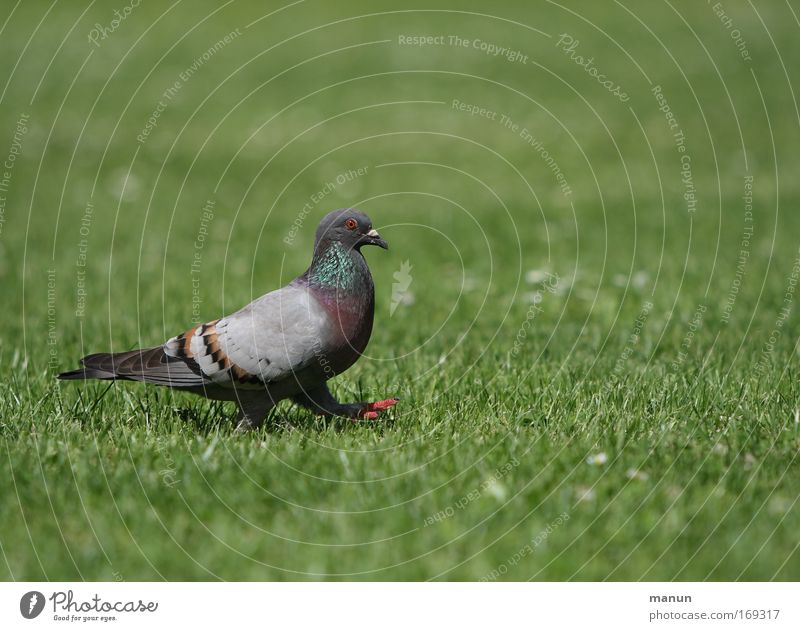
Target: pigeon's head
(350, 227)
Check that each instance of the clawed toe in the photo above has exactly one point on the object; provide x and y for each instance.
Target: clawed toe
(372, 410)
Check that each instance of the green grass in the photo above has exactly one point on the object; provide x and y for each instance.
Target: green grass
(632, 428)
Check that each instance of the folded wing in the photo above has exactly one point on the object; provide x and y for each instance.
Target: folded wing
(272, 339)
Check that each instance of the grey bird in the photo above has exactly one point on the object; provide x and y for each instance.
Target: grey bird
(286, 344)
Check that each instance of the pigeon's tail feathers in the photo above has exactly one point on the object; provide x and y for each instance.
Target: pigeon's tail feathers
(150, 365)
(86, 373)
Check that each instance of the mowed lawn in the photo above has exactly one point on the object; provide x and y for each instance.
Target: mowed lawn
(589, 308)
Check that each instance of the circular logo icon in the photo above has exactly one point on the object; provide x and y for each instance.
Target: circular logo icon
(31, 604)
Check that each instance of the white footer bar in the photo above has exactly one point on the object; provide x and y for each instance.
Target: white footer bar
(389, 606)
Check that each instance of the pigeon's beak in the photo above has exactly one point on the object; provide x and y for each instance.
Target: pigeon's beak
(373, 238)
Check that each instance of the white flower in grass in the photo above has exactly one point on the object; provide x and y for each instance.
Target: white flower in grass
(470, 283)
(124, 184)
(637, 281)
(497, 490)
(597, 459)
(585, 493)
(720, 449)
(674, 492)
(549, 281)
(536, 276)
(564, 285)
(779, 505)
(532, 297)
(640, 279)
(635, 474)
(408, 299)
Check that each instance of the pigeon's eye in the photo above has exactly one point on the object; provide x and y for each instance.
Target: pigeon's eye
(350, 224)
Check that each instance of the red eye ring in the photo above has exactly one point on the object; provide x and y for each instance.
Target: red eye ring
(350, 224)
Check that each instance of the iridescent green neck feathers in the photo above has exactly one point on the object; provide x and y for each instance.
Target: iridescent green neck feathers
(336, 267)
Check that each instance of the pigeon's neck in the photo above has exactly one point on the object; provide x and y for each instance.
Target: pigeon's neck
(335, 267)
(340, 281)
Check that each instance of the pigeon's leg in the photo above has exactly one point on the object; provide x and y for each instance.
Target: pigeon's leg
(253, 409)
(321, 401)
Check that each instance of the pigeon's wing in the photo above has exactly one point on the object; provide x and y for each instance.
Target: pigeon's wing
(271, 339)
(151, 365)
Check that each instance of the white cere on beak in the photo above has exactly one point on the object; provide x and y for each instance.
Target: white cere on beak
(373, 233)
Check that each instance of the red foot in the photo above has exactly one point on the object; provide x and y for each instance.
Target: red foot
(372, 410)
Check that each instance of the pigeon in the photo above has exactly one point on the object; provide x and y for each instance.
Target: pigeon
(285, 344)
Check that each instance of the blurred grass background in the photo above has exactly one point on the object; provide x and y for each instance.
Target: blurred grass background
(668, 434)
